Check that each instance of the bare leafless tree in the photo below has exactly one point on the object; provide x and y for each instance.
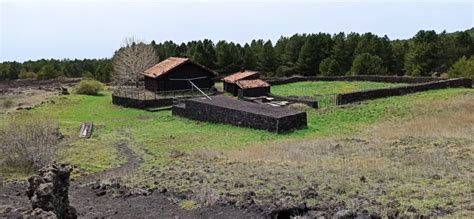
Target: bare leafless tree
(131, 60)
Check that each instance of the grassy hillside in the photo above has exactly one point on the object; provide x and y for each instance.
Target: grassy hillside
(156, 133)
(350, 154)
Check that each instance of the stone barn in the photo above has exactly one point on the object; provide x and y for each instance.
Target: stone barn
(175, 74)
(230, 81)
(252, 88)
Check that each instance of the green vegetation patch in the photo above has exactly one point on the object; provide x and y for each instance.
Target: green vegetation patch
(185, 155)
(188, 204)
(311, 88)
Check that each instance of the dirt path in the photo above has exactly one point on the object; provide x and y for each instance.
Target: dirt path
(89, 205)
(131, 164)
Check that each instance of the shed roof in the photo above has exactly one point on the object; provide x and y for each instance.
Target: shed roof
(239, 76)
(169, 64)
(252, 83)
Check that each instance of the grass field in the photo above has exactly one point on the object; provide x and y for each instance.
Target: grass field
(311, 88)
(156, 133)
(235, 155)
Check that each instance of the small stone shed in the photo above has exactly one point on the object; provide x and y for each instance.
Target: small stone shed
(230, 81)
(253, 88)
(176, 73)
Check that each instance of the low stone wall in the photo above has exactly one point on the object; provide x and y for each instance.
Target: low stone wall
(304, 100)
(179, 110)
(374, 78)
(396, 91)
(141, 104)
(226, 110)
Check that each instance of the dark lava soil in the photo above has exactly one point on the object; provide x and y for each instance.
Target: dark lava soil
(89, 205)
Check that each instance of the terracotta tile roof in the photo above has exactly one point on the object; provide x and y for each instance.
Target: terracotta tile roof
(239, 76)
(169, 64)
(252, 83)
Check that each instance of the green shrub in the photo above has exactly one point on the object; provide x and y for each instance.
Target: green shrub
(464, 67)
(87, 74)
(329, 67)
(367, 64)
(89, 87)
(188, 204)
(27, 75)
(48, 71)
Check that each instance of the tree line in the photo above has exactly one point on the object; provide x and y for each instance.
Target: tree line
(99, 69)
(426, 53)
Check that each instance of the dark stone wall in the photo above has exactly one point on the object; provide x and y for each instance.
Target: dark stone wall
(289, 123)
(179, 110)
(151, 84)
(187, 70)
(374, 78)
(141, 104)
(304, 100)
(228, 115)
(230, 88)
(253, 92)
(396, 91)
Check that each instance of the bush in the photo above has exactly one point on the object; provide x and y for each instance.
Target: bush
(89, 87)
(28, 141)
(27, 75)
(87, 74)
(464, 67)
(48, 71)
(329, 67)
(7, 103)
(367, 64)
(283, 71)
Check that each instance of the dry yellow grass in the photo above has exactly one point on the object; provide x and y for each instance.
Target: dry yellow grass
(447, 118)
(424, 162)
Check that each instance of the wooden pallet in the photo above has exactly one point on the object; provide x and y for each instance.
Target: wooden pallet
(86, 130)
(156, 109)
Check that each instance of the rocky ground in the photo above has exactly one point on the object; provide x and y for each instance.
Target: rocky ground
(25, 94)
(100, 195)
(122, 203)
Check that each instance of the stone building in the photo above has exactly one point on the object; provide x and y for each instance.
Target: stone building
(175, 74)
(252, 88)
(230, 81)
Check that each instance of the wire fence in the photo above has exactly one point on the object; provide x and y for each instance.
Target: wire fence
(142, 94)
(327, 100)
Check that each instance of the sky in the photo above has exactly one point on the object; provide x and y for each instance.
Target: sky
(31, 30)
